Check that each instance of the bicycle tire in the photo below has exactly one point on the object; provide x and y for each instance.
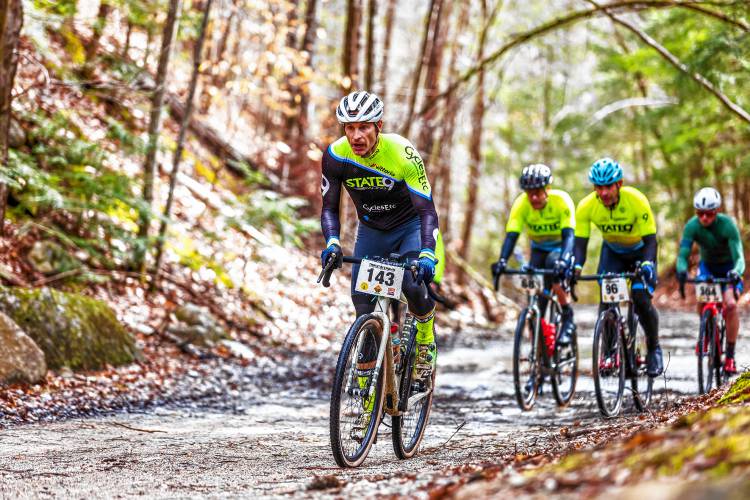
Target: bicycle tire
(718, 366)
(641, 384)
(408, 428)
(565, 359)
(705, 352)
(608, 364)
(349, 451)
(527, 328)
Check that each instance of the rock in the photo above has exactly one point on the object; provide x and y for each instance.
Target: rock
(21, 360)
(196, 325)
(73, 330)
(47, 257)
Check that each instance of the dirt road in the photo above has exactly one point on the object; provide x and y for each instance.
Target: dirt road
(270, 438)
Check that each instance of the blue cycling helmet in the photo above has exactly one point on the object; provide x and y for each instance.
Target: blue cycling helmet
(605, 171)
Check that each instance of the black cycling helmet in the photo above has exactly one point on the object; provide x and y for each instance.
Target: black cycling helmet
(535, 176)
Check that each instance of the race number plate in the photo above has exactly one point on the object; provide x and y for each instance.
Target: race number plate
(614, 290)
(381, 279)
(708, 292)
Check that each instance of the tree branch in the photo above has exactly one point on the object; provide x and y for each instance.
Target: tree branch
(697, 77)
(566, 20)
(718, 15)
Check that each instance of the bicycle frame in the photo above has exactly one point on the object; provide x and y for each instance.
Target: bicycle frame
(385, 354)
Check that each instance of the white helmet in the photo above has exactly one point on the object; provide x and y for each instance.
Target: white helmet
(707, 199)
(360, 106)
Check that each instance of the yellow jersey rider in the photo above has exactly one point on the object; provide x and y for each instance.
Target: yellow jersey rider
(624, 217)
(549, 216)
(386, 179)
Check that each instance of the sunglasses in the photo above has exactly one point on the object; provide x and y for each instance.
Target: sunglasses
(705, 213)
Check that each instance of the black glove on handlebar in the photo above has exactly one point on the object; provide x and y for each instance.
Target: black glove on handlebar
(498, 268)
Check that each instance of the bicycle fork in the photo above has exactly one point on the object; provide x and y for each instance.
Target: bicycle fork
(385, 353)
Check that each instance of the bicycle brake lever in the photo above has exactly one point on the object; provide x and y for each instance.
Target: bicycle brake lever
(325, 273)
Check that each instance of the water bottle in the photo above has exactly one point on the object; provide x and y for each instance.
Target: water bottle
(550, 334)
(396, 344)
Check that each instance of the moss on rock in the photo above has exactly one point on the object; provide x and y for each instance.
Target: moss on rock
(73, 330)
(739, 391)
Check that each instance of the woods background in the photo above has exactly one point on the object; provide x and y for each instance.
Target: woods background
(119, 106)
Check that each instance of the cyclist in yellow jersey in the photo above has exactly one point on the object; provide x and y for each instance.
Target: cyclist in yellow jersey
(624, 216)
(548, 215)
(387, 182)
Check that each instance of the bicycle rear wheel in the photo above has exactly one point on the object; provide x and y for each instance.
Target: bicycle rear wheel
(357, 397)
(608, 365)
(408, 428)
(526, 356)
(715, 351)
(705, 351)
(641, 384)
(565, 361)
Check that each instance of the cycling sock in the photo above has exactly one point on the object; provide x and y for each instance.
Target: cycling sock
(648, 317)
(425, 330)
(730, 349)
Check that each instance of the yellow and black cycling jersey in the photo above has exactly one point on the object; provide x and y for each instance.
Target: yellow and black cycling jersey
(389, 188)
(544, 226)
(623, 226)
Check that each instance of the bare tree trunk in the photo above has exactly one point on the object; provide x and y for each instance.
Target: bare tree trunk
(736, 198)
(303, 174)
(426, 141)
(217, 79)
(448, 128)
(11, 20)
(128, 33)
(350, 56)
(154, 127)
(288, 133)
(221, 49)
(475, 144)
(291, 23)
(423, 55)
(370, 59)
(389, 16)
(547, 153)
(93, 46)
(350, 64)
(197, 59)
(745, 200)
(308, 46)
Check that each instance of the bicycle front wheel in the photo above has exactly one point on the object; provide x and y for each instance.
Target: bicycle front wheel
(608, 364)
(705, 352)
(408, 428)
(566, 371)
(357, 395)
(715, 352)
(526, 373)
(641, 384)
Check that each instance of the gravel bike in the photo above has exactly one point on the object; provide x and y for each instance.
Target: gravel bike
(536, 351)
(374, 369)
(619, 350)
(710, 348)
